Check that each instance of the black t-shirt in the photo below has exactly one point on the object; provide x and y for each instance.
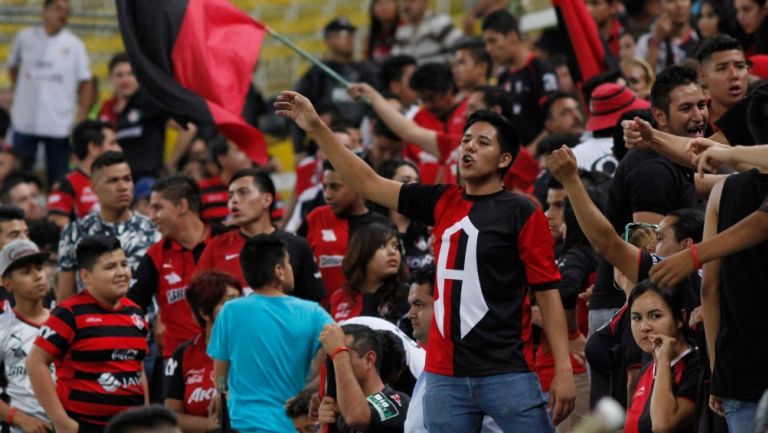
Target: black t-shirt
(733, 124)
(141, 133)
(527, 87)
(644, 182)
(388, 409)
(742, 354)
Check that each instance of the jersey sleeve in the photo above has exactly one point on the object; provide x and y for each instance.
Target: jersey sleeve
(68, 247)
(534, 242)
(174, 374)
(388, 411)
(57, 333)
(575, 269)
(14, 57)
(83, 67)
(146, 283)
(206, 261)
(418, 201)
(688, 384)
(61, 199)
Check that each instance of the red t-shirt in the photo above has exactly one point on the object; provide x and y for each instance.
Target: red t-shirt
(72, 195)
(189, 377)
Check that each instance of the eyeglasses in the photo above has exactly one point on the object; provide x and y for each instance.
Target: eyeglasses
(631, 227)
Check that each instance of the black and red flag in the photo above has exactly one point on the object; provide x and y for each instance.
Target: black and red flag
(196, 58)
(587, 54)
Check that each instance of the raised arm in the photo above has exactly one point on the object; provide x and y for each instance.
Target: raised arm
(352, 169)
(597, 228)
(404, 127)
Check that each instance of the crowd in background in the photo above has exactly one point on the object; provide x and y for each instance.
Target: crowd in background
(475, 241)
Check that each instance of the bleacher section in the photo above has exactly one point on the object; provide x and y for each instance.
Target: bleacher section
(300, 20)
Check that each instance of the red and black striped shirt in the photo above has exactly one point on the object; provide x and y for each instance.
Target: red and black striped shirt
(98, 353)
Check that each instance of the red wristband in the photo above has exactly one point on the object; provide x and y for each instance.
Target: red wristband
(695, 256)
(338, 350)
(11, 414)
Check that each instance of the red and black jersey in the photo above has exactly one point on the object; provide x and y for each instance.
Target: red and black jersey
(223, 253)
(489, 251)
(98, 353)
(345, 305)
(108, 112)
(686, 372)
(214, 196)
(449, 132)
(528, 86)
(189, 377)
(72, 196)
(309, 172)
(164, 273)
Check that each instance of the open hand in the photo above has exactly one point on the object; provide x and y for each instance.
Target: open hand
(297, 108)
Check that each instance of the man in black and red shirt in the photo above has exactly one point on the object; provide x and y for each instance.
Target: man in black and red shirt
(485, 266)
(97, 341)
(527, 78)
(213, 189)
(329, 228)
(72, 198)
(251, 202)
(166, 269)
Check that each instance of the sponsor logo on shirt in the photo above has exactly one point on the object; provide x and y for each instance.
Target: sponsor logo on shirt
(93, 320)
(138, 321)
(385, 408)
(111, 383)
(170, 367)
(124, 354)
(176, 295)
(194, 376)
(231, 256)
(328, 235)
(201, 394)
(329, 261)
(172, 278)
(14, 343)
(46, 332)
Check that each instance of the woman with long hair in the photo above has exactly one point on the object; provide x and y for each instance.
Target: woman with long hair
(189, 385)
(715, 17)
(375, 274)
(665, 397)
(750, 15)
(384, 21)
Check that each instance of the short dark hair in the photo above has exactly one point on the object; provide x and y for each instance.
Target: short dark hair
(88, 131)
(502, 22)
(689, 224)
(258, 259)
(393, 356)
(716, 44)
(668, 80)
(180, 186)
(141, 418)
(299, 404)
(364, 340)
(91, 248)
(425, 275)
(219, 146)
(494, 96)
(392, 68)
(506, 133)
(380, 129)
(675, 299)
(107, 159)
(476, 49)
(553, 97)
(15, 179)
(117, 59)
(206, 290)
(551, 143)
(260, 179)
(432, 77)
(10, 212)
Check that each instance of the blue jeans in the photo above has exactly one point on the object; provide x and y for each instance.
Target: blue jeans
(56, 153)
(458, 404)
(740, 415)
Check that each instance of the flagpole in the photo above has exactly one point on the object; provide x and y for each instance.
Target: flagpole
(312, 59)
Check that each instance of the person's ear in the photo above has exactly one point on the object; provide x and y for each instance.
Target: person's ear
(370, 359)
(85, 276)
(687, 242)
(505, 160)
(659, 116)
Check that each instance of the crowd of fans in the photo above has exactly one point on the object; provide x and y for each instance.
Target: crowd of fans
(475, 240)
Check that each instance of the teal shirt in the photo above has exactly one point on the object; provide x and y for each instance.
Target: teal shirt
(269, 343)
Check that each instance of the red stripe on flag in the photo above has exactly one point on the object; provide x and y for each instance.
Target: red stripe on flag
(214, 56)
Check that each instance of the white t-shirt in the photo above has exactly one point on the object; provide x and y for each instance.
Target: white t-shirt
(50, 71)
(16, 338)
(596, 155)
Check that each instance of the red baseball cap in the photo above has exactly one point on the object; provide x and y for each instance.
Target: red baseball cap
(609, 101)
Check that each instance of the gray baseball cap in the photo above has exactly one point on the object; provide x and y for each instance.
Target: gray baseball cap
(19, 252)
